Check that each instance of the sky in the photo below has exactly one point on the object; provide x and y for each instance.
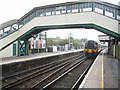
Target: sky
(15, 9)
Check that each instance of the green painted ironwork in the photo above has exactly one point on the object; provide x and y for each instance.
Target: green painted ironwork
(18, 47)
(55, 11)
(103, 9)
(71, 9)
(65, 26)
(93, 6)
(35, 13)
(44, 11)
(44, 7)
(18, 23)
(23, 21)
(78, 8)
(14, 49)
(66, 8)
(115, 13)
(3, 32)
(22, 47)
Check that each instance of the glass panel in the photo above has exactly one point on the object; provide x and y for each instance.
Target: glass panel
(81, 7)
(32, 15)
(1, 33)
(6, 31)
(53, 11)
(69, 8)
(26, 19)
(38, 12)
(98, 8)
(60, 9)
(87, 6)
(48, 11)
(14, 27)
(75, 8)
(57, 10)
(41, 12)
(20, 23)
(118, 16)
(109, 11)
(63, 9)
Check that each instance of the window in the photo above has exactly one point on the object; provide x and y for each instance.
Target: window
(7, 30)
(32, 15)
(14, 27)
(75, 8)
(95, 45)
(48, 11)
(41, 12)
(57, 10)
(109, 11)
(69, 8)
(60, 9)
(98, 8)
(87, 6)
(1, 33)
(53, 11)
(38, 12)
(63, 9)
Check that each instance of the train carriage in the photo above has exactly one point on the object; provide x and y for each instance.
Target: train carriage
(91, 49)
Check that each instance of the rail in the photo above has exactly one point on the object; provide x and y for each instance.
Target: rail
(18, 79)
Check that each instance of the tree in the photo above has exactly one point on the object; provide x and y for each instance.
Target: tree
(76, 44)
(49, 42)
(57, 37)
(83, 40)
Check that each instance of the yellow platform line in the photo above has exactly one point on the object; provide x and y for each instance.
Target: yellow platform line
(102, 82)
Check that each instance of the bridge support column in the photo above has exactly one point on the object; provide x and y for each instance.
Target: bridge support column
(22, 47)
(108, 47)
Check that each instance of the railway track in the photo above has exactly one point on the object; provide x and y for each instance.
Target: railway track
(56, 74)
(72, 78)
(21, 80)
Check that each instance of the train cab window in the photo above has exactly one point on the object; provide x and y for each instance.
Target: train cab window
(95, 45)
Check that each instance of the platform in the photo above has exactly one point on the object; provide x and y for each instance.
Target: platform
(103, 73)
(34, 56)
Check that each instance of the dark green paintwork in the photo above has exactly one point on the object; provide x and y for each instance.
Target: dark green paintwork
(67, 26)
(14, 49)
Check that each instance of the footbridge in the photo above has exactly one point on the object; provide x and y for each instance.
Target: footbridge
(94, 14)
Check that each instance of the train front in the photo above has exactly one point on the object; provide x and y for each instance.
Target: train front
(91, 49)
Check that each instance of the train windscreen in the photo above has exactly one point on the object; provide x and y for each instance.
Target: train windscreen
(91, 45)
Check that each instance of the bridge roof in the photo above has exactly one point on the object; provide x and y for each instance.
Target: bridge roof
(8, 23)
(73, 2)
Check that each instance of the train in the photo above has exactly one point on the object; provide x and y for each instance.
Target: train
(91, 49)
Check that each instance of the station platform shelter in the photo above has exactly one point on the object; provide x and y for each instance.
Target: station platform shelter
(113, 45)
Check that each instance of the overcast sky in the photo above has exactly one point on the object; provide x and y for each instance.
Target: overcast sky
(14, 9)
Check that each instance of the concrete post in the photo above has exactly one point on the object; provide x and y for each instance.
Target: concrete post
(116, 42)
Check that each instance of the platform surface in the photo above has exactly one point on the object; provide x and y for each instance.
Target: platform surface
(35, 56)
(103, 73)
